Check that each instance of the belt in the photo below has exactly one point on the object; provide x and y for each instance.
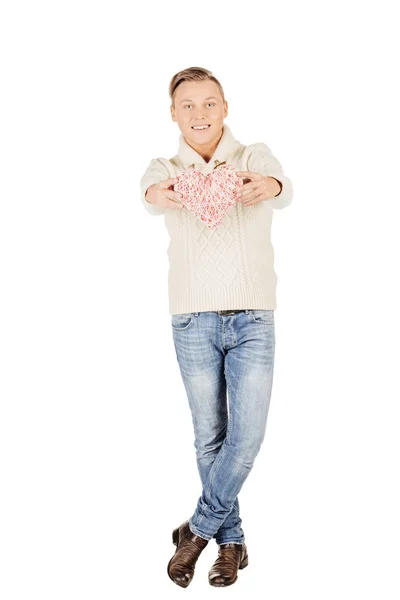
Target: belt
(229, 312)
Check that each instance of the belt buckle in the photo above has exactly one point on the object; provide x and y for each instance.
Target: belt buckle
(227, 312)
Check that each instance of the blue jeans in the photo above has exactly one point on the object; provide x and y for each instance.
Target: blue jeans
(226, 364)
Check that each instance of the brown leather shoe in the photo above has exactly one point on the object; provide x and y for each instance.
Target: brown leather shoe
(188, 549)
(224, 571)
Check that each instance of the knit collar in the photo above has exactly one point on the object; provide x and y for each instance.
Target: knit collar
(189, 157)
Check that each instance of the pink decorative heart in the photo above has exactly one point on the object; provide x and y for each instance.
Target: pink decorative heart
(209, 197)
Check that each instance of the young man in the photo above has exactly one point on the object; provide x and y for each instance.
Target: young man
(222, 297)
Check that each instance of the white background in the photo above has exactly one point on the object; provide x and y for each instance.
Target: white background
(96, 442)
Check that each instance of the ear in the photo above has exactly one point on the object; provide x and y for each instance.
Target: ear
(172, 113)
(225, 109)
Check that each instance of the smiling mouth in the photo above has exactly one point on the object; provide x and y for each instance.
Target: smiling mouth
(201, 127)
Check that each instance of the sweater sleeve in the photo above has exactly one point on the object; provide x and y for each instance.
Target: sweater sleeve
(155, 172)
(261, 160)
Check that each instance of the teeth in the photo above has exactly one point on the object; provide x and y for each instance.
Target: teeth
(201, 127)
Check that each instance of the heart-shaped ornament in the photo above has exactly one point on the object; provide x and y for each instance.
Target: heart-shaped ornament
(209, 197)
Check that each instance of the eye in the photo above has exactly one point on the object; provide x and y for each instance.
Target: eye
(186, 105)
(211, 103)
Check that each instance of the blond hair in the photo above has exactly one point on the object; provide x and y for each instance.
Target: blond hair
(192, 74)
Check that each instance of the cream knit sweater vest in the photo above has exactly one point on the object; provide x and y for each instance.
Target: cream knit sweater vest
(231, 267)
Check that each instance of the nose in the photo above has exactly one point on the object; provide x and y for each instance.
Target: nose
(199, 114)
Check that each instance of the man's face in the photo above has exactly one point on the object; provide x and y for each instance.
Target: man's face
(199, 103)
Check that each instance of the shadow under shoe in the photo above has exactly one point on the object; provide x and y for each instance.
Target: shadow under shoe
(188, 549)
(224, 571)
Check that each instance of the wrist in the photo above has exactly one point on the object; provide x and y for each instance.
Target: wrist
(145, 195)
(279, 184)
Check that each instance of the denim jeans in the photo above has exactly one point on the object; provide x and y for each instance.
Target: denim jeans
(226, 364)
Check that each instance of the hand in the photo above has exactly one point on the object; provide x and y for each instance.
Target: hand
(159, 194)
(256, 188)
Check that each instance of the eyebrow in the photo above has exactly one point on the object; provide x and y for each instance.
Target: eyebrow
(190, 100)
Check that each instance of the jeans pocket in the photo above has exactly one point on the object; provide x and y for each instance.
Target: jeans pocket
(262, 316)
(181, 321)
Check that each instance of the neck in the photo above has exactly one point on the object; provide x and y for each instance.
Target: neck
(206, 151)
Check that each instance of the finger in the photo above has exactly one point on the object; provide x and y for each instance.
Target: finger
(254, 200)
(174, 205)
(170, 203)
(249, 174)
(248, 186)
(251, 194)
(248, 193)
(173, 195)
(251, 197)
(168, 182)
(246, 173)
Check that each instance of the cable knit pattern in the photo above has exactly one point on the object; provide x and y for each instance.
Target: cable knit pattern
(231, 267)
